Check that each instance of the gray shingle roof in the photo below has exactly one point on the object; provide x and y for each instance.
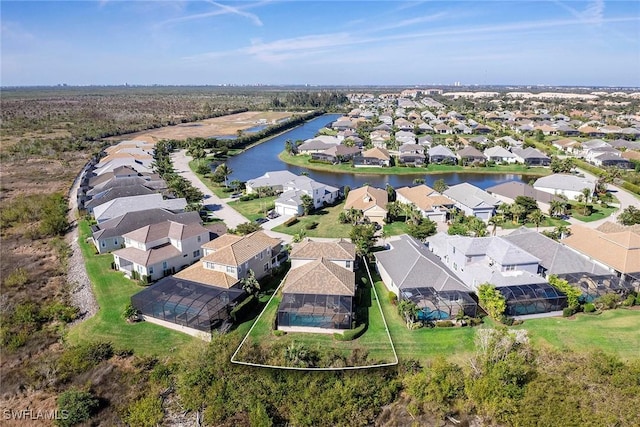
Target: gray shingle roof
(410, 265)
(133, 220)
(470, 195)
(123, 205)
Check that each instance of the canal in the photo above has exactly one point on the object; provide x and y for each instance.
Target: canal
(263, 157)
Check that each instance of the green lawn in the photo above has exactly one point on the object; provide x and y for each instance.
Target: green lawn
(598, 212)
(254, 209)
(219, 190)
(374, 340)
(548, 222)
(113, 292)
(613, 331)
(395, 228)
(328, 224)
(303, 161)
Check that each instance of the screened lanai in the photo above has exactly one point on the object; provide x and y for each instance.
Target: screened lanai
(532, 299)
(317, 311)
(187, 303)
(440, 305)
(593, 286)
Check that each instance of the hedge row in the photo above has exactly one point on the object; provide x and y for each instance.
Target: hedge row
(291, 221)
(240, 311)
(351, 334)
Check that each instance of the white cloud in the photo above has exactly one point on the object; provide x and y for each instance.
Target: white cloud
(220, 11)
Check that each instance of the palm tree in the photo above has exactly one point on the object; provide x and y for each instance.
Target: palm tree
(224, 171)
(536, 217)
(562, 231)
(409, 311)
(557, 208)
(495, 221)
(250, 284)
(517, 211)
(505, 210)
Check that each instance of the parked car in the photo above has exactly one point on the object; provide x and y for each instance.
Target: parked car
(235, 195)
(261, 220)
(273, 214)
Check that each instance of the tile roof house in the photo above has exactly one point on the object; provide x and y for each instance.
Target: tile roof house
(370, 200)
(313, 146)
(430, 203)
(412, 154)
(617, 250)
(441, 154)
(412, 272)
(472, 200)
(107, 236)
(374, 157)
(531, 156)
(342, 253)
(228, 259)
(290, 201)
(273, 180)
(469, 155)
(499, 154)
(157, 250)
(122, 205)
(570, 186)
(508, 191)
(336, 154)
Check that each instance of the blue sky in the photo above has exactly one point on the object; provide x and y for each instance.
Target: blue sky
(320, 42)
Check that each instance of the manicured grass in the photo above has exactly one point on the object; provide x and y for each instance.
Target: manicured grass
(374, 340)
(328, 224)
(426, 343)
(254, 209)
(395, 228)
(598, 212)
(219, 190)
(303, 161)
(613, 331)
(113, 292)
(548, 222)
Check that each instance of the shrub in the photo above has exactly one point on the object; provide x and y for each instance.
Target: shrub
(638, 299)
(291, 221)
(629, 301)
(608, 301)
(146, 412)
(311, 226)
(393, 298)
(17, 277)
(444, 324)
(351, 334)
(475, 321)
(279, 333)
(247, 197)
(75, 407)
(589, 308)
(568, 312)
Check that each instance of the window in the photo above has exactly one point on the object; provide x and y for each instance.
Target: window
(199, 239)
(140, 269)
(455, 266)
(104, 244)
(266, 267)
(347, 264)
(261, 255)
(454, 249)
(196, 253)
(185, 255)
(115, 241)
(164, 265)
(150, 270)
(509, 268)
(468, 259)
(209, 265)
(231, 269)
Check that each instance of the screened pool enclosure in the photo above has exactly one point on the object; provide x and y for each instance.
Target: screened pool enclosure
(532, 299)
(316, 311)
(187, 303)
(593, 286)
(440, 305)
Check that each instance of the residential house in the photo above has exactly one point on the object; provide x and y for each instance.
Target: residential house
(430, 203)
(470, 155)
(371, 201)
(442, 129)
(609, 159)
(107, 236)
(122, 205)
(336, 154)
(499, 154)
(318, 296)
(412, 154)
(531, 156)
(507, 192)
(482, 129)
(374, 157)
(617, 248)
(142, 166)
(342, 253)
(290, 201)
(157, 250)
(567, 145)
(441, 154)
(570, 186)
(413, 273)
(272, 180)
(313, 146)
(472, 200)
(229, 258)
(114, 193)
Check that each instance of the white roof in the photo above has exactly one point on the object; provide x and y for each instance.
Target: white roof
(567, 182)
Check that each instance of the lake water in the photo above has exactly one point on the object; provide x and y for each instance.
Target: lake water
(263, 158)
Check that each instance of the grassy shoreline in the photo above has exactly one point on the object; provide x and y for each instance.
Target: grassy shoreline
(303, 161)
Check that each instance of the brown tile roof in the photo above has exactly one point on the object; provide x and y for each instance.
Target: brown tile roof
(308, 249)
(320, 277)
(631, 155)
(170, 229)
(149, 257)
(197, 273)
(222, 242)
(377, 153)
(366, 197)
(614, 227)
(242, 250)
(619, 250)
(424, 197)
